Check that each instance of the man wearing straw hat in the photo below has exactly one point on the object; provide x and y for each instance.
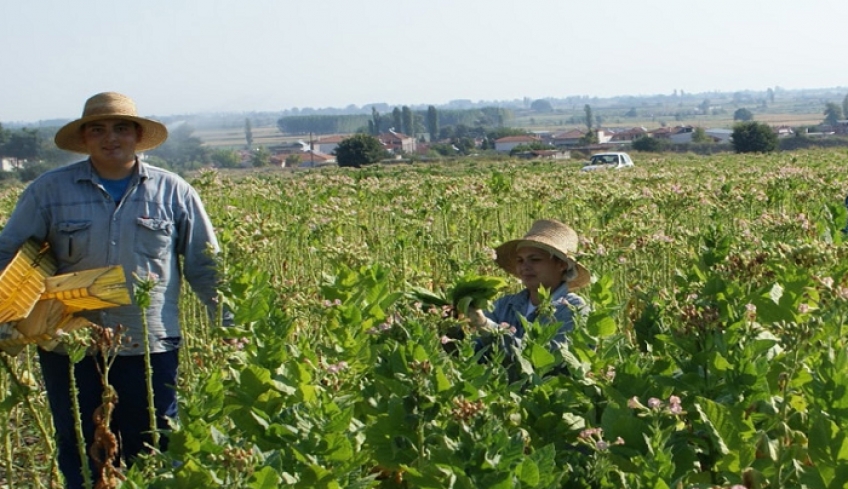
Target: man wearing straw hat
(543, 258)
(113, 209)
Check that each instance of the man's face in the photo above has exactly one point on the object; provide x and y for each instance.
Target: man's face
(111, 142)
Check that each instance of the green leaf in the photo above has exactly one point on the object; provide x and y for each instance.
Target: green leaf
(264, 478)
(540, 357)
(600, 325)
(728, 428)
(528, 472)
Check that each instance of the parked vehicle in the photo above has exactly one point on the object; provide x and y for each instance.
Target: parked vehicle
(602, 161)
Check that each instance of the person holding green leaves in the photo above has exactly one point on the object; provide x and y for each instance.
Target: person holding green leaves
(542, 259)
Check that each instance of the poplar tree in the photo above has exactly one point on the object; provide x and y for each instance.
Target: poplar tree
(433, 123)
(248, 133)
(408, 121)
(397, 121)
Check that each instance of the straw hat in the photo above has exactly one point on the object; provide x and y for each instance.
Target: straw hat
(110, 105)
(552, 236)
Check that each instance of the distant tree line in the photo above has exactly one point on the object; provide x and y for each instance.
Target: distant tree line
(322, 124)
(401, 119)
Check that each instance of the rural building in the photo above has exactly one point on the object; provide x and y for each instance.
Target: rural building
(9, 164)
(628, 135)
(397, 142)
(327, 144)
(506, 144)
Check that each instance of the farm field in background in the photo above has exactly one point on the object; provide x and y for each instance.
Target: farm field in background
(266, 133)
(715, 352)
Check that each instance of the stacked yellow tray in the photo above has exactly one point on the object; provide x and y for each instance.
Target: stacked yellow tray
(35, 307)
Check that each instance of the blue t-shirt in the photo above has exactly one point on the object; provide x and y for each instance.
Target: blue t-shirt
(116, 188)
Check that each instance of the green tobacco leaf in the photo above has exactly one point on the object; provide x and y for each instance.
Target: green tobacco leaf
(463, 303)
(427, 296)
(528, 472)
(719, 363)
(600, 325)
(727, 428)
(540, 357)
(264, 478)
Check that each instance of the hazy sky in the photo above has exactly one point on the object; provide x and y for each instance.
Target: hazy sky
(186, 56)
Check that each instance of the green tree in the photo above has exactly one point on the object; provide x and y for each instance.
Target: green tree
(649, 144)
(845, 106)
(397, 120)
(225, 158)
(521, 148)
(590, 120)
(743, 115)
(4, 135)
(542, 105)
(432, 122)
(832, 113)
(699, 135)
(293, 160)
(770, 95)
(591, 137)
(376, 122)
(359, 150)
(261, 157)
(408, 126)
(248, 133)
(753, 137)
(22, 145)
(182, 150)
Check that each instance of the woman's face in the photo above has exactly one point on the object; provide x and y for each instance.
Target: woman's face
(537, 267)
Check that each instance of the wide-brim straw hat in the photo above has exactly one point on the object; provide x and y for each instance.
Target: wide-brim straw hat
(110, 105)
(552, 236)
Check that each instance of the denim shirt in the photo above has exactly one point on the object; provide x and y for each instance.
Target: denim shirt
(158, 228)
(509, 308)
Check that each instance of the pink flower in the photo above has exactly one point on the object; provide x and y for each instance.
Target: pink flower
(654, 403)
(674, 406)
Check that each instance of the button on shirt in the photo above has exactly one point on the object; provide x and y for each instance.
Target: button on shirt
(159, 220)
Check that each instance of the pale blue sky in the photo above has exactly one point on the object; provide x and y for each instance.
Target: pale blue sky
(187, 56)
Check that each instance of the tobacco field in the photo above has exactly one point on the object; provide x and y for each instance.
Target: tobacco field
(714, 355)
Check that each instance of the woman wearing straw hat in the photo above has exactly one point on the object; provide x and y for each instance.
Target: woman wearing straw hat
(113, 209)
(543, 258)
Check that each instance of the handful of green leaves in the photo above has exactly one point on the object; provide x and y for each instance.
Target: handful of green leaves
(469, 291)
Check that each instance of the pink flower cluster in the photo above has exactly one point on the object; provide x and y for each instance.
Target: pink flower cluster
(595, 436)
(654, 404)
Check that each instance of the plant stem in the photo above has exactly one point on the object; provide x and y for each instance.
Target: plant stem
(75, 408)
(148, 371)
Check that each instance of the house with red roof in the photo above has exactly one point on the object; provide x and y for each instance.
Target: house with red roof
(506, 144)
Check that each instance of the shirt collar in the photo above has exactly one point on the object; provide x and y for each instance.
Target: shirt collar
(86, 171)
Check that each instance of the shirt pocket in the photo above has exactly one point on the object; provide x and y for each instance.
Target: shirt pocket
(153, 236)
(72, 239)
